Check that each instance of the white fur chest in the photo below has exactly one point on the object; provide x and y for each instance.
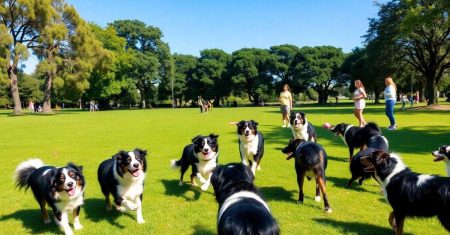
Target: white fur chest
(301, 133)
(206, 167)
(248, 148)
(131, 187)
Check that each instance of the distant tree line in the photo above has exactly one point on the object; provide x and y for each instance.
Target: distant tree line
(127, 63)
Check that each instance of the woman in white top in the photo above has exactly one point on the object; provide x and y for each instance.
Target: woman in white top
(390, 94)
(358, 97)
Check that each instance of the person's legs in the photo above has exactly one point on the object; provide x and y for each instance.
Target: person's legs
(362, 122)
(356, 113)
(390, 112)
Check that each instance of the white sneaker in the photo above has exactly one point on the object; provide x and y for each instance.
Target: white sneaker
(289, 125)
(284, 125)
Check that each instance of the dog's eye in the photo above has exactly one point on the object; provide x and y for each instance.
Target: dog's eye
(72, 174)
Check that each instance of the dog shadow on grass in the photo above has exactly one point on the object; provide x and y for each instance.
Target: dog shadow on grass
(173, 189)
(32, 221)
(342, 183)
(202, 230)
(95, 210)
(355, 227)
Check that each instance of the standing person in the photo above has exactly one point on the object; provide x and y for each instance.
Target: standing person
(358, 97)
(201, 104)
(285, 104)
(390, 97)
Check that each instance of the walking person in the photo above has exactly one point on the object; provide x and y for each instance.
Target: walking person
(358, 97)
(285, 99)
(390, 96)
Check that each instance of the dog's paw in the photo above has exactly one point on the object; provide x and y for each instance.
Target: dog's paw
(68, 232)
(202, 180)
(77, 226)
(141, 221)
(328, 210)
(258, 168)
(299, 202)
(317, 198)
(205, 187)
(47, 221)
(180, 183)
(121, 208)
(132, 206)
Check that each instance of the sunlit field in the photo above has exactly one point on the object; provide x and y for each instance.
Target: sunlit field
(88, 138)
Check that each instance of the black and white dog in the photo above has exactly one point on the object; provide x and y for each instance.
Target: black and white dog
(241, 208)
(443, 154)
(410, 194)
(356, 137)
(375, 143)
(310, 161)
(123, 176)
(61, 188)
(251, 144)
(202, 155)
(301, 128)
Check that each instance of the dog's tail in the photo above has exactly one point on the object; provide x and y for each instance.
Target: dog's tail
(24, 170)
(175, 163)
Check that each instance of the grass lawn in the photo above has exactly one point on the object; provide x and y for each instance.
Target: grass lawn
(89, 138)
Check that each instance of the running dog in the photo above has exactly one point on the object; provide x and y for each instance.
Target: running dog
(123, 176)
(410, 194)
(62, 188)
(310, 161)
(301, 128)
(251, 144)
(202, 155)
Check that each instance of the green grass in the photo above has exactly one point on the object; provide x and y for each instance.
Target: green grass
(89, 138)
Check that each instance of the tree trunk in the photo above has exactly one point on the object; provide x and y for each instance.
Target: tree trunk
(12, 73)
(431, 91)
(46, 104)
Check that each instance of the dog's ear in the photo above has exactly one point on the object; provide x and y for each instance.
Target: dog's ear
(142, 152)
(118, 156)
(254, 123)
(196, 138)
(241, 123)
(380, 158)
(78, 168)
(213, 136)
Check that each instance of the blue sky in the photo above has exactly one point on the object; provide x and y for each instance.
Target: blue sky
(190, 26)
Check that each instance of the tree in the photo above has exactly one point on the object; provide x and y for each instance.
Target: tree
(282, 70)
(150, 50)
(320, 68)
(69, 52)
(113, 80)
(25, 21)
(417, 32)
(251, 73)
(208, 79)
(184, 66)
(30, 88)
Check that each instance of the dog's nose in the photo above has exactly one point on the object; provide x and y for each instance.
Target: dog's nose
(70, 184)
(136, 165)
(205, 150)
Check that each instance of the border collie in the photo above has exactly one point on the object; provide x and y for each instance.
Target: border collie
(202, 155)
(375, 143)
(61, 188)
(251, 144)
(443, 154)
(123, 176)
(301, 128)
(310, 161)
(410, 194)
(241, 208)
(354, 136)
